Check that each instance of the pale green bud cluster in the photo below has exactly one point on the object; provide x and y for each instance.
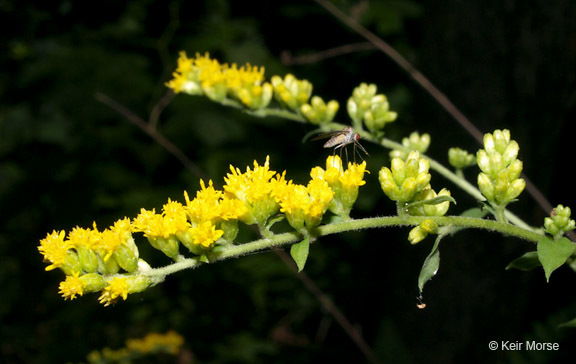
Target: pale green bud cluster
(559, 221)
(415, 141)
(439, 209)
(427, 226)
(255, 96)
(368, 107)
(499, 180)
(405, 179)
(291, 92)
(319, 112)
(460, 159)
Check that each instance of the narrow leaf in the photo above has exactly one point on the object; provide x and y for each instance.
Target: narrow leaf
(430, 266)
(571, 323)
(299, 253)
(526, 262)
(432, 201)
(552, 254)
(274, 220)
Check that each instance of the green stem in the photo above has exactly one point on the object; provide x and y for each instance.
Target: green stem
(277, 240)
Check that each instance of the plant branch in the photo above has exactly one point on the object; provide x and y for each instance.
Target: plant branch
(153, 133)
(282, 239)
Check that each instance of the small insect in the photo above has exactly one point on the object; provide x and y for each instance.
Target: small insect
(341, 139)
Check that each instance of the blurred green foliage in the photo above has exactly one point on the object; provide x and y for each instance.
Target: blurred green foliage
(67, 159)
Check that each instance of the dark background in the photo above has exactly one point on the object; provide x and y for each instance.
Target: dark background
(67, 159)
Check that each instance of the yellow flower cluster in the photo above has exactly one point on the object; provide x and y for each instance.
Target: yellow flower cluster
(246, 84)
(92, 260)
(344, 183)
(153, 343)
(203, 75)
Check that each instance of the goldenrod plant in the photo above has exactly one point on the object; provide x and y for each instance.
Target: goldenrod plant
(202, 228)
(152, 345)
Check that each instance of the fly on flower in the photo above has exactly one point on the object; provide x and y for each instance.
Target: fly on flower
(341, 139)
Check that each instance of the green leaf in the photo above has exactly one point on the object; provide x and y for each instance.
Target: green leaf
(552, 254)
(299, 253)
(274, 220)
(526, 262)
(571, 323)
(432, 201)
(474, 212)
(430, 266)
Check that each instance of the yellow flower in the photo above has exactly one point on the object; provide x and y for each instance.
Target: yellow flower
(344, 183)
(72, 286)
(174, 218)
(186, 76)
(291, 92)
(304, 206)
(170, 222)
(204, 75)
(117, 288)
(205, 234)
(169, 342)
(255, 188)
(81, 237)
(206, 205)
(54, 249)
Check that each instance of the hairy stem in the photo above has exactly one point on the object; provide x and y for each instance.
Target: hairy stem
(277, 240)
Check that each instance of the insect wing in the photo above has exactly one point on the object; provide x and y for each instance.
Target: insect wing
(327, 135)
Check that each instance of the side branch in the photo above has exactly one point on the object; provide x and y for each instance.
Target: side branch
(360, 224)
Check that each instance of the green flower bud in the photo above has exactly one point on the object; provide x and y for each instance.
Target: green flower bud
(291, 92)
(416, 235)
(230, 228)
(511, 152)
(514, 190)
(318, 112)
(126, 255)
(215, 92)
(109, 266)
(366, 106)
(499, 181)
(559, 221)
(460, 159)
(71, 263)
(405, 178)
(138, 283)
(430, 226)
(94, 282)
(486, 186)
(256, 96)
(168, 246)
(439, 209)
(88, 259)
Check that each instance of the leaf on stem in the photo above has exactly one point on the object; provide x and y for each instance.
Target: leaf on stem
(430, 266)
(526, 262)
(299, 253)
(432, 201)
(273, 220)
(552, 254)
(571, 323)
(474, 212)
